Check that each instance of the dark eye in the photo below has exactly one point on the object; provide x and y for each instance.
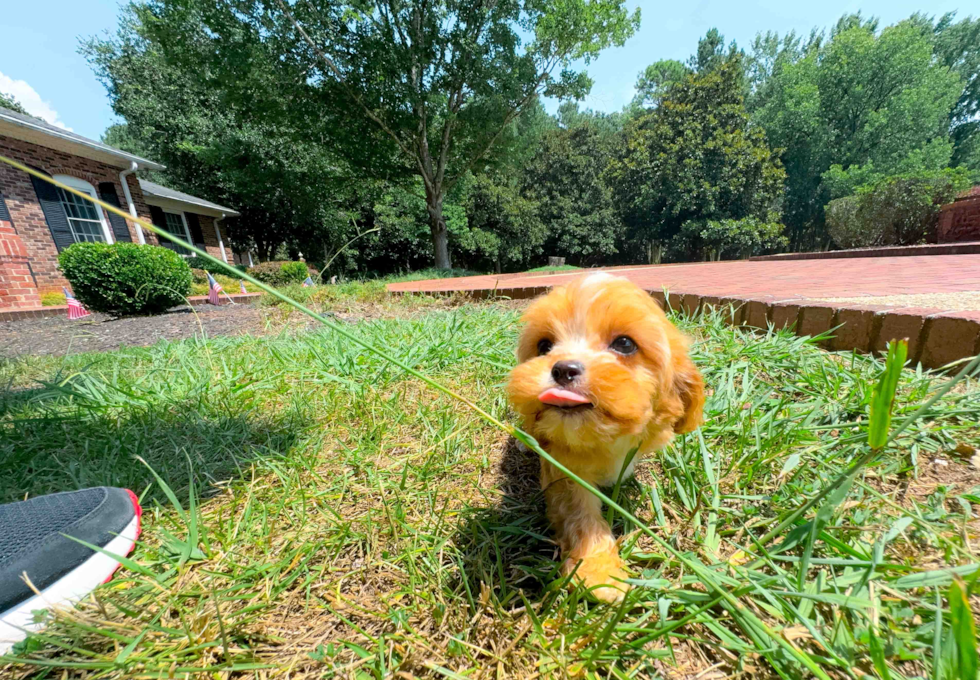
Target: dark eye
(623, 345)
(544, 346)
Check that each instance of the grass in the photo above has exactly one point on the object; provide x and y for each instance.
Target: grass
(53, 299)
(562, 268)
(347, 521)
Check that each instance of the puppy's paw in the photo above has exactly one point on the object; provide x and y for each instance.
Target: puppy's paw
(602, 573)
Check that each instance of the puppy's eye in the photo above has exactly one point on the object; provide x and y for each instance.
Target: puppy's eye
(544, 346)
(623, 345)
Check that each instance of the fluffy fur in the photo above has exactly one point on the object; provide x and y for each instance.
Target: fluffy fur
(638, 399)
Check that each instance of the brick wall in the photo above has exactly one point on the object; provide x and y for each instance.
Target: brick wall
(211, 240)
(960, 221)
(25, 211)
(17, 289)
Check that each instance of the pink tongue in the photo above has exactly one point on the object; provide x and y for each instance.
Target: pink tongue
(559, 397)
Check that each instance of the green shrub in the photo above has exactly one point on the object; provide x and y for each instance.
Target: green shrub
(126, 278)
(900, 210)
(727, 239)
(280, 272)
(199, 275)
(53, 299)
(195, 262)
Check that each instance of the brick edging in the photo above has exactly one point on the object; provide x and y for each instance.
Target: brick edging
(968, 248)
(936, 338)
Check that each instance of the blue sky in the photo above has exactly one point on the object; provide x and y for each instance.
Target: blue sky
(40, 64)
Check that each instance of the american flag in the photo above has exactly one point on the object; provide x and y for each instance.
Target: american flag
(75, 308)
(241, 286)
(213, 289)
(308, 283)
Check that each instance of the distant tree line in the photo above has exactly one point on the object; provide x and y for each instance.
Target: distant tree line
(424, 121)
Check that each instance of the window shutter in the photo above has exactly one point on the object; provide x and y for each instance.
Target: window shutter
(4, 213)
(54, 213)
(120, 232)
(194, 226)
(156, 216)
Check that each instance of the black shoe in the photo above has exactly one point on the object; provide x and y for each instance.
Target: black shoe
(34, 541)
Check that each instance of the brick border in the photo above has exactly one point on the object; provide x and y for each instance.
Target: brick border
(966, 248)
(59, 310)
(936, 338)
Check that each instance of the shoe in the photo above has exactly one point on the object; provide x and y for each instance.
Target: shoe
(34, 541)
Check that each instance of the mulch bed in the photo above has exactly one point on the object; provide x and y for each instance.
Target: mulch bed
(99, 333)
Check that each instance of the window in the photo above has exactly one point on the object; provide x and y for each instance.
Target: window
(174, 223)
(85, 219)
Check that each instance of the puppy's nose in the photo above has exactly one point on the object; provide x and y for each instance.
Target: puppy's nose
(565, 372)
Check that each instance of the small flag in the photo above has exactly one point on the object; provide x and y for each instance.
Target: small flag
(241, 286)
(308, 283)
(75, 308)
(213, 289)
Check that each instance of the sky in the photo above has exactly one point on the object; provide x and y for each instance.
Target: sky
(40, 64)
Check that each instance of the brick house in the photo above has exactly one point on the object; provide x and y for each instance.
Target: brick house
(39, 220)
(960, 220)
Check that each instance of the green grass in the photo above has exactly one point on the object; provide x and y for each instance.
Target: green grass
(341, 519)
(562, 268)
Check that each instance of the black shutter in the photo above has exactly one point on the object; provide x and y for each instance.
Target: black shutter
(194, 226)
(156, 216)
(4, 213)
(54, 213)
(107, 192)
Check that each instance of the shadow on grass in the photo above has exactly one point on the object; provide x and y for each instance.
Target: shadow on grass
(509, 546)
(82, 448)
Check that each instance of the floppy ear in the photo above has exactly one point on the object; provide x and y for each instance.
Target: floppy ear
(690, 388)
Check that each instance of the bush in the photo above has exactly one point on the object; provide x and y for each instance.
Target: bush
(900, 210)
(53, 299)
(280, 273)
(727, 239)
(199, 275)
(195, 262)
(126, 278)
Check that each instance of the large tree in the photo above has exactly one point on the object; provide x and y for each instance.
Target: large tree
(565, 181)
(872, 102)
(442, 81)
(694, 157)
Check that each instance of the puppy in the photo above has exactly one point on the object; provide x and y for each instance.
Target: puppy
(602, 371)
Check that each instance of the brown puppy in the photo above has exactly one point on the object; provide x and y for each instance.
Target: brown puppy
(602, 371)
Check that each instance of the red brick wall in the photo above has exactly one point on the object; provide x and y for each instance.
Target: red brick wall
(960, 221)
(211, 240)
(25, 211)
(17, 289)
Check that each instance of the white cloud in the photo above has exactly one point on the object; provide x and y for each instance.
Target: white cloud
(30, 100)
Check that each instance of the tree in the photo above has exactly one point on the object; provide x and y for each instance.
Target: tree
(656, 79)
(565, 180)
(957, 47)
(10, 102)
(441, 80)
(694, 157)
(865, 100)
(254, 153)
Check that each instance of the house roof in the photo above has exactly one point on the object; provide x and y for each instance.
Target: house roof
(152, 190)
(36, 131)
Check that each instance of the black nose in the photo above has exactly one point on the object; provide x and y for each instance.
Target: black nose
(565, 372)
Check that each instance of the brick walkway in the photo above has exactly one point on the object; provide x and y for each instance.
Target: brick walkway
(788, 294)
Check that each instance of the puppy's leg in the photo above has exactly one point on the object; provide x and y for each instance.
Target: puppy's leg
(584, 537)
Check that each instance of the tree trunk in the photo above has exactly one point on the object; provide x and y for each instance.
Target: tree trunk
(437, 225)
(655, 252)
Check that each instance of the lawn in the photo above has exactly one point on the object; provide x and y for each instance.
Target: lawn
(339, 518)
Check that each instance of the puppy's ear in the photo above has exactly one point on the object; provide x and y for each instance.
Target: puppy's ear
(687, 383)
(690, 389)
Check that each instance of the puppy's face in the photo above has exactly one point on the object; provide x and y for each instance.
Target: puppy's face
(599, 360)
